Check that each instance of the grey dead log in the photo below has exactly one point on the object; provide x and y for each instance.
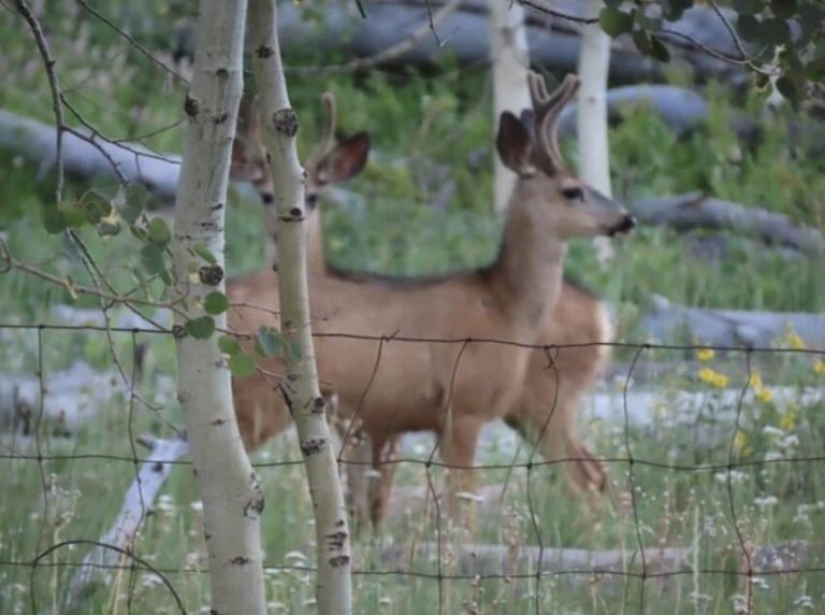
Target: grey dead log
(84, 159)
(502, 560)
(680, 109)
(101, 562)
(669, 322)
(695, 210)
(554, 43)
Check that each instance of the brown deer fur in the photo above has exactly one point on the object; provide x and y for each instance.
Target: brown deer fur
(508, 300)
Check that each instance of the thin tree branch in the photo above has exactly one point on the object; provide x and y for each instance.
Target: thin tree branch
(542, 6)
(48, 63)
(394, 52)
(131, 40)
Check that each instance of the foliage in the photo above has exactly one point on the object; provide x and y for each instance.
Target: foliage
(775, 38)
(695, 483)
(422, 127)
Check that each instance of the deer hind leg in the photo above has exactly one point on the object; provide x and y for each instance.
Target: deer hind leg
(353, 451)
(585, 473)
(383, 476)
(550, 425)
(458, 449)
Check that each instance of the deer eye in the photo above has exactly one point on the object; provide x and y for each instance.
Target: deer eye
(573, 193)
(311, 201)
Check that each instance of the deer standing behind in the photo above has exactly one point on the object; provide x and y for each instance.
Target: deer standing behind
(424, 386)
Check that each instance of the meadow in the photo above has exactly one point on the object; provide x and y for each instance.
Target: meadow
(719, 489)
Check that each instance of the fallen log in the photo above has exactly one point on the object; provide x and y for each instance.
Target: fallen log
(695, 210)
(488, 560)
(680, 109)
(85, 158)
(159, 172)
(672, 323)
(464, 35)
(102, 561)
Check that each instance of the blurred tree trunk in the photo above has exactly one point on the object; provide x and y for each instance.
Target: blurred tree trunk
(279, 126)
(594, 151)
(509, 57)
(232, 499)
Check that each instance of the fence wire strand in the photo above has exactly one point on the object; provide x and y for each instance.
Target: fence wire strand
(443, 548)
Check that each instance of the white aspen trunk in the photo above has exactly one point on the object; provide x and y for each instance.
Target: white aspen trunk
(232, 499)
(510, 58)
(279, 124)
(594, 150)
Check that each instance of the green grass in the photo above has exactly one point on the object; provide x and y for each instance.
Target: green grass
(683, 506)
(424, 122)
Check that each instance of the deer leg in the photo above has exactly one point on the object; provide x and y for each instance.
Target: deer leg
(383, 464)
(458, 450)
(354, 455)
(551, 427)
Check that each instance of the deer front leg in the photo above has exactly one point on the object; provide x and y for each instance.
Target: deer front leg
(458, 450)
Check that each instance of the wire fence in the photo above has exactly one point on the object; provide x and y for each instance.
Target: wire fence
(709, 502)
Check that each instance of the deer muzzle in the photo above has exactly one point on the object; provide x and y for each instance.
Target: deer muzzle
(624, 226)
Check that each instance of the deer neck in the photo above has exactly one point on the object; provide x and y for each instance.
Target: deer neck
(527, 274)
(316, 259)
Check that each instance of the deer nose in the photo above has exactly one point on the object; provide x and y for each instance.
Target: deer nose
(625, 225)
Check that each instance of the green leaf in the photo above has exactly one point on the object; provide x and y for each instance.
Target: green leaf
(228, 345)
(109, 229)
(159, 233)
(215, 303)
(643, 42)
(201, 328)
(202, 251)
(241, 365)
(815, 71)
(74, 215)
(53, 220)
(96, 208)
(775, 32)
(151, 256)
(139, 233)
(658, 50)
(269, 342)
(749, 28)
(135, 196)
(783, 9)
(788, 89)
(106, 185)
(615, 22)
(761, 81)
(673, 9)
(748, 7)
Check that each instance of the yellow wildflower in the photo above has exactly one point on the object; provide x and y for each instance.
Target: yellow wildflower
(755, 381)
(705, 354)
(739, 441)
(789, 419)
(819, 367)
(712, 377)
(764, 395)
(794, 341)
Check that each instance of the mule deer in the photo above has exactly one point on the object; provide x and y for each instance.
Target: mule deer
(414, 385)
(329, 163)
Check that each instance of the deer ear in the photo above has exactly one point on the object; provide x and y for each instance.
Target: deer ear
(514, 144)
(347, 159)
(527, 118)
